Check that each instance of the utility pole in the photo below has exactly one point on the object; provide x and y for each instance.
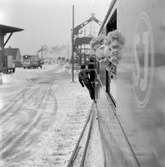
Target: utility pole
(72, 43)
(2, 56)
(68, 50)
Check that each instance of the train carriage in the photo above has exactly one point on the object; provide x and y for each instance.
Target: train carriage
(140, 83)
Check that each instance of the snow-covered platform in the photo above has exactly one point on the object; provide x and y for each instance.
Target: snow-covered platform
(42, 116)
(115, 144)
(106, 143)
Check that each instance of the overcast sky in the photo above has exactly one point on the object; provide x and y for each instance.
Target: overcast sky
(46, 21)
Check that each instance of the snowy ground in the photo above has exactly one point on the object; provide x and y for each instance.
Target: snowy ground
(41, 117)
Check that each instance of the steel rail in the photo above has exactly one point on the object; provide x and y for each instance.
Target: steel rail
(110, 97)
(76, 149)
(125, 134)
(87, 142)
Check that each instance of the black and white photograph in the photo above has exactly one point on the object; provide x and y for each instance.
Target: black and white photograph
(82, 83)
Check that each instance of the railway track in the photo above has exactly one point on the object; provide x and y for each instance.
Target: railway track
(78, 156)
(124, 132)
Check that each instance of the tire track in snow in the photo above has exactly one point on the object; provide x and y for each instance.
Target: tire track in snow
(17, 106)
(12, 145)
(16, 98)
(11, 151)
(26, 152)
(10, 105)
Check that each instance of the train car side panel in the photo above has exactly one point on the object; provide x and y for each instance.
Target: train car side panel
(140, 84)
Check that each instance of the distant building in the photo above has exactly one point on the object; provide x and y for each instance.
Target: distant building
(15, 53)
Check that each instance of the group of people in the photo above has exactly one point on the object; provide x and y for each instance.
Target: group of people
(109, 49)
(88, 77)
(105, 48)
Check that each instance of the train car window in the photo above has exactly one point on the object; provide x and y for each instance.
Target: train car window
(112, 23)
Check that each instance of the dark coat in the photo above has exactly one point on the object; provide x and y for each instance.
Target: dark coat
(83, 77)
(92, 71)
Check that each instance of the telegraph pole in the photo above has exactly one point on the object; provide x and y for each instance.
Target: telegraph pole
(1, 56)
(72, 43)
(68, 51)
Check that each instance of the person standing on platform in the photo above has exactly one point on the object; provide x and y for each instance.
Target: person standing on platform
(92, 67)
(84, 79)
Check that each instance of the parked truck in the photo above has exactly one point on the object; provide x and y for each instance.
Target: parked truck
(31, 61)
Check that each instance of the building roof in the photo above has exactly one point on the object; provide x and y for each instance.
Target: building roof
(8, 29)
(10, 51)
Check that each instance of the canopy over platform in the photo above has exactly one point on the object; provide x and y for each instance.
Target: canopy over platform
(4, 29)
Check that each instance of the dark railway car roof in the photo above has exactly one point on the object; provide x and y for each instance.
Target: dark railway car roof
(8, 29)
(107, 15)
